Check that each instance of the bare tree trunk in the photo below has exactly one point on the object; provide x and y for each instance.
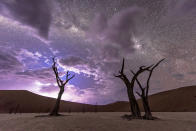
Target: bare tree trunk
(55, 111)
(130, 85)
(148, 114)
(135, 110)
(133, 104)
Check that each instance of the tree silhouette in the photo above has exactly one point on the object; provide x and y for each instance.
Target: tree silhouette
(145, 90)
(61, 85)
(95, 108)
(11, 110)
(69, 111)
(83, 109)
(17, 108)
(130, 85)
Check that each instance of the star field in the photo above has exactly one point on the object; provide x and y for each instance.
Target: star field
(90, 38)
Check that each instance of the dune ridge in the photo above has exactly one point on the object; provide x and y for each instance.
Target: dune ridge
(176, 100)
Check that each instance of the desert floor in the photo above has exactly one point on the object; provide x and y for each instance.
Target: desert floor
(174, 121)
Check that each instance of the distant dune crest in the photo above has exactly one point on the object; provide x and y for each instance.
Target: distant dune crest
(19, 101)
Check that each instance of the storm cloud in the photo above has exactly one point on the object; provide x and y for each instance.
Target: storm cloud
(44, 75)
(79, 65)
(8, 63)
(119, 29)
(72, 61)
(185, 6)
(33, 13)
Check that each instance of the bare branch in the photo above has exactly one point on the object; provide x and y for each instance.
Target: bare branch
(71, 77)
(67, 75)
(132, 72)
(68, 79)
(140, 85)
(123, 65)
(150, 74)
(118, 76)
(138, 82)
(142, 67)
(58, 80)
(157, 63)
(138, 94)
(121, 72)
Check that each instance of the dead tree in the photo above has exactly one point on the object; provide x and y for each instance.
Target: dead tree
(95, 108)
(145, 90)
(69, 111)
(11, 110)
(61, 85)
(17, 108)
(83, 109)
(130, 85)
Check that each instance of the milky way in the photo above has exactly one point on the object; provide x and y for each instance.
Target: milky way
(90, 38)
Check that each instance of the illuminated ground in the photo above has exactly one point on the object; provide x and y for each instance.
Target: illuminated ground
(97, 122)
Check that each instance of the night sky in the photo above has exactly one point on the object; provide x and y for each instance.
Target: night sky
(90, 38)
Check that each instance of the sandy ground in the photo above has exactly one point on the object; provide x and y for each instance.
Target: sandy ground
(174, 121)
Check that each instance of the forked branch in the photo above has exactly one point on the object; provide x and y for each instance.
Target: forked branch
(121, 72)
(150, 74)
(60, 82)
(68, 78)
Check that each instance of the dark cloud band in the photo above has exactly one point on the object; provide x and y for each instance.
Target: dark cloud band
(33, 13)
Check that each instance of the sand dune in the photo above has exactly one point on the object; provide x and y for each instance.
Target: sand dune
(28, 102)
(178, 100)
